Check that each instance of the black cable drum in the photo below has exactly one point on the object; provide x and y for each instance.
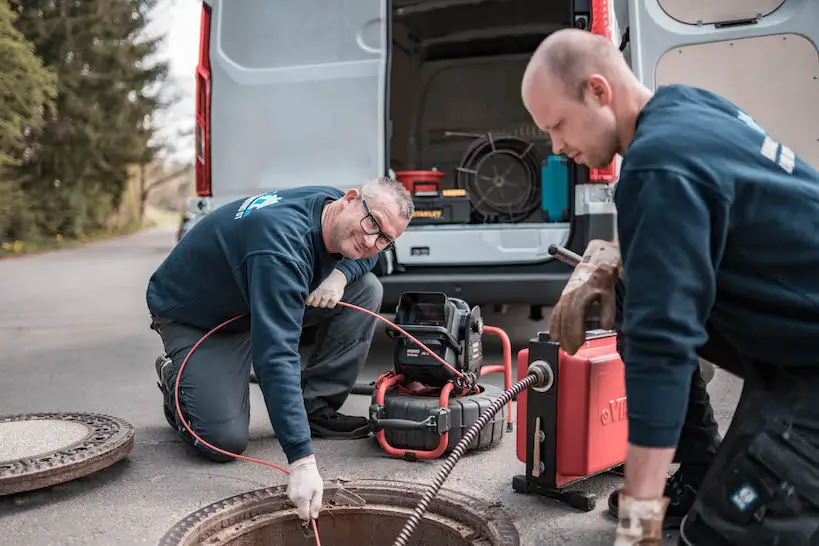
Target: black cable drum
(502, 176)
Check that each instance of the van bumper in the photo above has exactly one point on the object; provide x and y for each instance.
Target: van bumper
(478, 289)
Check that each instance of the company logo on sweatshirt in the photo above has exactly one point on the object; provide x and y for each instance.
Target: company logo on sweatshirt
(257, 202)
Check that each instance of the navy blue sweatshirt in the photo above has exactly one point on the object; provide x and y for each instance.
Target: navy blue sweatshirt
(718, 222)
(260, 256)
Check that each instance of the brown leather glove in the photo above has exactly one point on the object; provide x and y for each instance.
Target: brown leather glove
(593, 280)
(640, 522)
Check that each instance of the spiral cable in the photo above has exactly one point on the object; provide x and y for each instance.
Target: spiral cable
(468, 173)
(457, 453)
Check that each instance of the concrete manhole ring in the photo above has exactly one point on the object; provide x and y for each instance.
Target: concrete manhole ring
(40, 450)
(360, 513)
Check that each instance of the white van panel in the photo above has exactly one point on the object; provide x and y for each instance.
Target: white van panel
(714, 11)
(756, 74)
(501, 244)
(308, 90)
(769, 68)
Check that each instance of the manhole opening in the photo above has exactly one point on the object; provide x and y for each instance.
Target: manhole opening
(356, 513)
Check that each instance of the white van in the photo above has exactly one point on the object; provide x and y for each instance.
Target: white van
(303, 92)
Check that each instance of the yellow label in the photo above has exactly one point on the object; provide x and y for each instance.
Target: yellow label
(435, 213)
(454, 193)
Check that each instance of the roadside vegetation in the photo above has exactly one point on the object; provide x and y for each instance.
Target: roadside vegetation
(80, 90)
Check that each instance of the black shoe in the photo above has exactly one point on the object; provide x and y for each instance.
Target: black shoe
(681, 489)
(161, 364)
(328, 423)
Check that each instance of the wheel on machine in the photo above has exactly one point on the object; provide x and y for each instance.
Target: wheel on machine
(465, 411)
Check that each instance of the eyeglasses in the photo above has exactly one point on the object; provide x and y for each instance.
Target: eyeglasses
(371, 227)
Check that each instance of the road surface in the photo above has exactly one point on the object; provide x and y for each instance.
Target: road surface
(75, 337)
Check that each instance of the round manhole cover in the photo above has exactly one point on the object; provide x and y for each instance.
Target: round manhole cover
(359, 513)
(43, 449)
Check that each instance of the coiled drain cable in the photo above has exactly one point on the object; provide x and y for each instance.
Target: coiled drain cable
(538, 375)
(251, 459)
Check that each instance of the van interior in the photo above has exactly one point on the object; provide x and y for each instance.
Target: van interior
(455, 105)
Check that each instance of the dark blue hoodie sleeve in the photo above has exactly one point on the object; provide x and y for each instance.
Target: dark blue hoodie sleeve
(353, 269)
(278, 288)
(672, 232)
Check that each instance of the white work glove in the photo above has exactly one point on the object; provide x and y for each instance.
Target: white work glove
(306, 488)
(329, 292)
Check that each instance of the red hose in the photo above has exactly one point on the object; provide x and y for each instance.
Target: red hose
(251, 459)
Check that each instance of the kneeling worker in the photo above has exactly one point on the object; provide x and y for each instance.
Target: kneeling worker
(267, 257)
(717, 225)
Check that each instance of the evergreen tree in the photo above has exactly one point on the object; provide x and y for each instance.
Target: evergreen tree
(26, 89)
(107, 90)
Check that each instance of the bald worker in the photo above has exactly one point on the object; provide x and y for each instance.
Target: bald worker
(717, 227)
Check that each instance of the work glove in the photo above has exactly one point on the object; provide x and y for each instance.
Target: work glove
(330, 291)
(640, 522)
(593, 280)
(306, 488)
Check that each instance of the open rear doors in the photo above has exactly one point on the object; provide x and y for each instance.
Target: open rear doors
(298, 92)
(760, 54)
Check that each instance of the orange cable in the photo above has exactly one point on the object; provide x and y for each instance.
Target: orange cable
(251, 459)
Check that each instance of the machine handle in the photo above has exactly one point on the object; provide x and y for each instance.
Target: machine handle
(564, 255)
(405, 424)
(438, 421)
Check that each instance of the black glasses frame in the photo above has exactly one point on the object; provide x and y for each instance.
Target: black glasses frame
(384, 242)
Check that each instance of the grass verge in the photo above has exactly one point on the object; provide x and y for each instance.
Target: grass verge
(11, 249)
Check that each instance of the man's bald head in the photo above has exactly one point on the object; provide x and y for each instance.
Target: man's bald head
(571, 56)
(579, 88)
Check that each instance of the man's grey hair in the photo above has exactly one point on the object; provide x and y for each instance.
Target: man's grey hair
(386, 188)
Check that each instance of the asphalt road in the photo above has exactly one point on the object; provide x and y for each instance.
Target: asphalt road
(75, 337)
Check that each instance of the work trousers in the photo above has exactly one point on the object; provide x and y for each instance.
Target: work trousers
(214, 388)
(762, 487)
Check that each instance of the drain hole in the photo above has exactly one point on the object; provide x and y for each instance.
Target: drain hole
(356, 513)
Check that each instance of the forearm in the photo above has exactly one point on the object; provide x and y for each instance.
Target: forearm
(646, 471)
(353, 269)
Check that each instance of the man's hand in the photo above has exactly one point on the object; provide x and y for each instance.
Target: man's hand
(306, 488)
(640, 522)
(593, 280)
(329, 292)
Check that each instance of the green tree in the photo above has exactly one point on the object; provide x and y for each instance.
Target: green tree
(27, 89)
(108, 87)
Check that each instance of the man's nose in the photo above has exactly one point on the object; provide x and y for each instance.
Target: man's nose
(370, 239)
(557, 145)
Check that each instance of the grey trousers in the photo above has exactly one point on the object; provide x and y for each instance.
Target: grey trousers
(214, 388)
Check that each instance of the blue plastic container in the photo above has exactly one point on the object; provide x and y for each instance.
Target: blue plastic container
(554, 179)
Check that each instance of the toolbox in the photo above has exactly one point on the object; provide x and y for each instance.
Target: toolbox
(433, 204)
(554, 180)
(441, 207)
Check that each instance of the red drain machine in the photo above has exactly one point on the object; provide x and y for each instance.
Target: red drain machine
(567, 431)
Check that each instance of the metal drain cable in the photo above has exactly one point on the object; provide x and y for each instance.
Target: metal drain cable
(539, 375)
(251, 459)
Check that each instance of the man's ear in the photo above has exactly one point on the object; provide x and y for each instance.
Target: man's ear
(351, 195)
(599, 89)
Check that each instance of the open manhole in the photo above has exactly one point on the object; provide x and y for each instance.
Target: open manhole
(360, 513)
(43, 449)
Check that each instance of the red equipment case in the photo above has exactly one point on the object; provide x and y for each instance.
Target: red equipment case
(580, 421)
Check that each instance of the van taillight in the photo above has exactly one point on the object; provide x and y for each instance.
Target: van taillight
(601, 24)
(203, 180)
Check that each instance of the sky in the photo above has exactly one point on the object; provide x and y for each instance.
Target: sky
(180, 49)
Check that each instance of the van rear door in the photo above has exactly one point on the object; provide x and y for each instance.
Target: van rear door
(759, 54)
(297, 94)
